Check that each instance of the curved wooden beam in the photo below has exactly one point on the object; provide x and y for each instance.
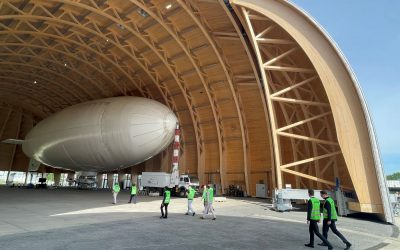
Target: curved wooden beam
(60, 37)
(36, 76)
(39, 68)
(231, 88)
(196, 64)
(345, 98)
(101, 13)
(29, 85)
(41, 103)
(14, 102)
(68, 54)
(260, 90)
(114, 40)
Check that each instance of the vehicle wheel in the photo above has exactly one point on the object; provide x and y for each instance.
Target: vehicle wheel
(182, 194)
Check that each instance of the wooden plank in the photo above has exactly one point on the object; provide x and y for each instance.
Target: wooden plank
(266, 31)
(273, 41)
(316, 158)
(289, 69)
(297, 101)
(272, 116)
(257, 17)
(294, 86)
(365, 207)
(307, 138)
(281, 56)
(303, 121)
(310, 177)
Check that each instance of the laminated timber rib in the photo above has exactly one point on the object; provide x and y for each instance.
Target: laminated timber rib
(258, 101)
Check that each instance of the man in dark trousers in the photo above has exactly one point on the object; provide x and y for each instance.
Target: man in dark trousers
(133, 193)
(165, 203)
(313, 217)
(330, 218)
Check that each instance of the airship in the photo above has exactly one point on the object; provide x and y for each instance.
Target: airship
(102, 135)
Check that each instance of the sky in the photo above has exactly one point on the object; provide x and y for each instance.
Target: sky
(368, 33)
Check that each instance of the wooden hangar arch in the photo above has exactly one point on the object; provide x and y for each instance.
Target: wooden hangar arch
(261, 93)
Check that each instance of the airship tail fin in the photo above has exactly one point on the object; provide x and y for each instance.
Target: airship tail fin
(13, 141)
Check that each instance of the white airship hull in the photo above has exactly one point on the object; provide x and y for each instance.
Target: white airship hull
(102, 135)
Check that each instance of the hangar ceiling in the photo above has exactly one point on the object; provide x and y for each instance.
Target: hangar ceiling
(257, 100)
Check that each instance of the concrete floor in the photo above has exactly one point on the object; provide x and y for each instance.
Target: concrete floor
(83, 219)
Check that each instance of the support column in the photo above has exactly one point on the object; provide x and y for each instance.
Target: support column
(57, 177)
(8, 175)
(134, 176)
(26, 177)
(121, 180)
(110, 177)
(99, 180)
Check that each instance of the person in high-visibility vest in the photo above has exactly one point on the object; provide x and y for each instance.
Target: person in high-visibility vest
(210, 200)
(330, 218)
(165, 203)
(204, 197)
(313, 217)
(115, 192)
(190, 194)
(133, 193)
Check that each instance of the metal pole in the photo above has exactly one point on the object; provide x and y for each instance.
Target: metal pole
(175, 157)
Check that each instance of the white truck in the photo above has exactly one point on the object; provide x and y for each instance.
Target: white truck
(86, 180)
(156, 182)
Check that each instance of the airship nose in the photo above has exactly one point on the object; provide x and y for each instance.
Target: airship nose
(170, 122)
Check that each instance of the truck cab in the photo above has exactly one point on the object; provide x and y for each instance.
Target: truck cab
(184, 182)
(153, 182)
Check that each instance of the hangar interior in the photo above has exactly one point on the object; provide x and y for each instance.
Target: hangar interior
(261, 93)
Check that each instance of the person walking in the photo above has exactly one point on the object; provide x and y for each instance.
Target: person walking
(330, 218)
(204, 197)
(133, 193)
(165, 203)
(115, 192)
(190, 196)
(313, 217)
(210, 199)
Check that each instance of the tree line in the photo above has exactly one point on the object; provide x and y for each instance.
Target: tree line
(394, 176)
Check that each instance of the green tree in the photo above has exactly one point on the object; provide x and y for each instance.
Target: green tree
(50, 177)
(395, 176)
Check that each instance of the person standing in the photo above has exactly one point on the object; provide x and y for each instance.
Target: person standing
(313, 217)
(190, 195)
(210, 199)
(115, 192)
(330, 218)
(133, 193)
(165, 203)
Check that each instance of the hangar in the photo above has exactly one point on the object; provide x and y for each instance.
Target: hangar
(261, 92)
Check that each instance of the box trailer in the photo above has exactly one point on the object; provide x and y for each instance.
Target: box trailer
(153, 182)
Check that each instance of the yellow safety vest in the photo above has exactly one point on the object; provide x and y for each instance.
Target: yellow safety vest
(167, 196)
(133, 190)
(316, 210)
